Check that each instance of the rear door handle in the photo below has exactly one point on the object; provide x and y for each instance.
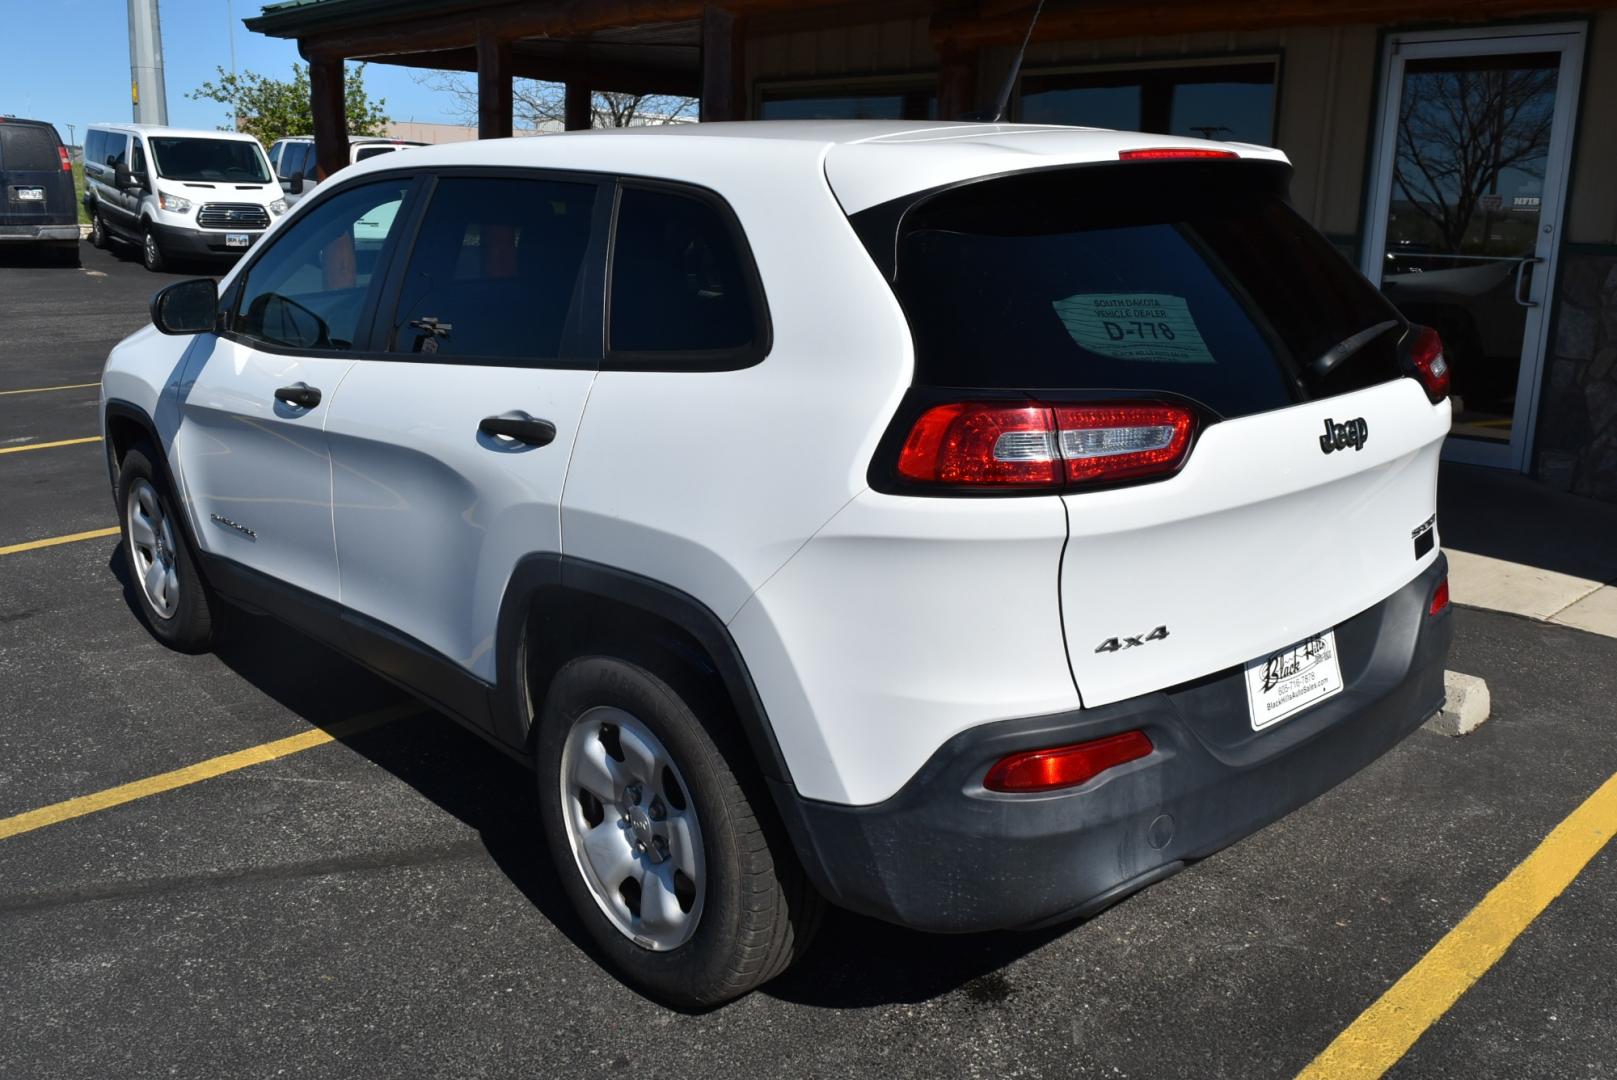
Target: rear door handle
(521, 427)
(300, 394)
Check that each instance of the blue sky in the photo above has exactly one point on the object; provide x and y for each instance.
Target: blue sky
(67, 61)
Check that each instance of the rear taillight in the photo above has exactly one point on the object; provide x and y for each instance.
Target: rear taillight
(1169, 153)
(1440, 599)
(67, 162)
(1431, 367)
(1031, 445)
(1065, 766)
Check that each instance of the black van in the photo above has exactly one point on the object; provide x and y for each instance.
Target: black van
(36, 190)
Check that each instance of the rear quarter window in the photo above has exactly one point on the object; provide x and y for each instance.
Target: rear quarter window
(1194, 279)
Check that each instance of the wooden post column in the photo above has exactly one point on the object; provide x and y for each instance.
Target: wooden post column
(957, 81)
(577, 107)
(330, 116)
(724, 92)
(493, 84)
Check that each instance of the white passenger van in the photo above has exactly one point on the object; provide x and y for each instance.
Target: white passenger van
(177, 193)
(294, 162)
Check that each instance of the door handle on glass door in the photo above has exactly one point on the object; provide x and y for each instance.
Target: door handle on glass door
(520, 426)
(1520, 276)
(300, 394)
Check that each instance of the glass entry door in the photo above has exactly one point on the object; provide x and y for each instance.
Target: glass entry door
(1466, 214)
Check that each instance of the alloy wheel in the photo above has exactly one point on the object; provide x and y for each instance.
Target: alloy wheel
(632, 825)
(152, 549)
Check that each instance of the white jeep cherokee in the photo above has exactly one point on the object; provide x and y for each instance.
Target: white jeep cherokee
(967, 525)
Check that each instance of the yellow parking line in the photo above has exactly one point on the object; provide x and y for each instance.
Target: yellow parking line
(48, 445)
(1385, 1031)
(46, 389)
(52, 541)
(202, 770)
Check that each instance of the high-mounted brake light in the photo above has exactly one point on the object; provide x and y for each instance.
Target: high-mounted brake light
(1440, 599)
(1031, 445)
(1431, 366)
(1065, 766)
(67, 162)
(1168, 153)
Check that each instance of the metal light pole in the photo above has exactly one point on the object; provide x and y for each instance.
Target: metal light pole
(146, 89)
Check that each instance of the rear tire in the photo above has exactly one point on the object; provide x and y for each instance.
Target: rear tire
(169, 590)
(681, 877)
(98, 230)
(151, 251)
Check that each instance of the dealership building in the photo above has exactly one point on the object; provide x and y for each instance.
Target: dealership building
(1462, 154)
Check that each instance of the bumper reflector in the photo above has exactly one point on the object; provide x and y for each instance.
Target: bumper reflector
(1065, 766)
(1440, 598)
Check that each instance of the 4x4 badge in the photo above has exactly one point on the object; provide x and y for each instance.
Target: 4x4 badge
(1354, 433)
(1112, 644)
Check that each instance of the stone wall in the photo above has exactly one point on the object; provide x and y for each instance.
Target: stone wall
(1577, 427)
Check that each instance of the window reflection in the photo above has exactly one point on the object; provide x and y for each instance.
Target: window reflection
(1231, 102)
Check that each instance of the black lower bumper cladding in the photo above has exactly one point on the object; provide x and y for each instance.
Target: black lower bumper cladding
(944, 854)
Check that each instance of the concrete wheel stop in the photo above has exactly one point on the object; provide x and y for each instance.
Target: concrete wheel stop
(1465, 705)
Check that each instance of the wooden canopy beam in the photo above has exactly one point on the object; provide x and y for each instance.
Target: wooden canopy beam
(578, 106)
(1003, 22)
(623, 76)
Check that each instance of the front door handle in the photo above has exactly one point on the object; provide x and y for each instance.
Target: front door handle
(300, 394)
(1520, 277)
(521, 427)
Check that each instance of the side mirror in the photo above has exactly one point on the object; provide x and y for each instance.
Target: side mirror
(187, 307)
(122, 177)
(293, 184)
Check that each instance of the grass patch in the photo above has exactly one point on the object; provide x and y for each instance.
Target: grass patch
(78, 192)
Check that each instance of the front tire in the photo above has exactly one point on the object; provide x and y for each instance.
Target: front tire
(671, 863)
(169, 590)
(151, 251)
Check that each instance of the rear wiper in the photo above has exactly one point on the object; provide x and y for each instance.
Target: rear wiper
(1345, 348)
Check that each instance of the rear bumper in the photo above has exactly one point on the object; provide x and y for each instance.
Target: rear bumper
(945, 854)
(202, 243)
(38, 234)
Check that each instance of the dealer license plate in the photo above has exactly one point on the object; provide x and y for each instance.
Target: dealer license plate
(237, 239)
(31, 194)
(1289, 681)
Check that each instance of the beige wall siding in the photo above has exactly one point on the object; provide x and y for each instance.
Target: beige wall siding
(1592, 207)
(1324, 102)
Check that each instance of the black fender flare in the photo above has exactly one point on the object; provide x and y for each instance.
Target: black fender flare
(551, 580)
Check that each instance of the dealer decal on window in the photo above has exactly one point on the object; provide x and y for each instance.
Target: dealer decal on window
(1134, 326)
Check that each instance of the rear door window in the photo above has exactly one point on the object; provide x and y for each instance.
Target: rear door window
(1195, 279)
(372, 151)
(503, 269)
(29, 148)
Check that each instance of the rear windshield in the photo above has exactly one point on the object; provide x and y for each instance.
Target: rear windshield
(227, 161)
(29, 147)
(1194, 278)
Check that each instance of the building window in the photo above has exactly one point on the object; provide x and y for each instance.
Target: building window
(1227, 101)
(821, 103)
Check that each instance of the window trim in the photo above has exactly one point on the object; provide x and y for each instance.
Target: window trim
(1166, 63)
(733, 359)
(901, 84)
(591, 351)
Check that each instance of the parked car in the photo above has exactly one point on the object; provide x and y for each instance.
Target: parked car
(36, 178)
(177, 193)
(967, 526)
(294, 163)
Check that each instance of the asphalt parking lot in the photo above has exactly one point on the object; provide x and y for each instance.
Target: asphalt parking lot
(377, 904)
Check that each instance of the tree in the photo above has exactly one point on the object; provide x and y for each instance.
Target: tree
(1458, 131)
(272, 109)
(534, 104)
